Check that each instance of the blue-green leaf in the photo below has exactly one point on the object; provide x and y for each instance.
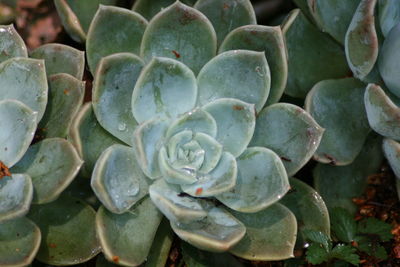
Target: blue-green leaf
(15, 196)
(20, 240)
(52, 164)
(126, 238)
(265, 39)
(60, 58)
(65, 99)
(240, 74)
(235, 123)
(18, 124)
(117, 179)
(227, 15)
(338, 106)
(361, 42)
(182, 33)
(113, 30)
(261, 181)
(24, 79)
(11, 43)
(290, 132)
(383, 114)
(113, 85)
(270, 234)
(165, 88)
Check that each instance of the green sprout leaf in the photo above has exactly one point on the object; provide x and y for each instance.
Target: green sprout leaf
(316, 254)
(343, 225)
(346, 253)
(373, 226)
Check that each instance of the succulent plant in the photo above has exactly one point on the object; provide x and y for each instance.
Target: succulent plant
(37, 104)
(349, 106)
(176, 130)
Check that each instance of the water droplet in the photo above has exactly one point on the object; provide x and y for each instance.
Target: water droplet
(132, 191)
(121, 126)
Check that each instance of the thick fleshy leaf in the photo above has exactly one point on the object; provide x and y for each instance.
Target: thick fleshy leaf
(114, 30)
(149, 8)
(212, 152)
(20, 240)
(221, 179)
(338, 106)
(89, 138)
(52, 164)
(68, 231)
(148, 139)
(339, 184)
(114, 81)
(175, 206)
(268, 40)
(126, 238)
(194, 257)
(70, 21)
(389, 59)
(261, 181)
(305, 43)
(361, 42)
(270, 234)
(117, 179)
(61, 58)
(197, 121)
(24, 79)
(290, 132)
(182, 33)
(235, 123)
(218, 232)
(383, 114)
(76, 16)
(240, 74)
(391, 150)
(308, 207)
(15, 196)
(226, 16)
(11, 43)
(333, 16)
(159, 252)
(389, 15)
(65, 98)
(165, 88)
(18, 124)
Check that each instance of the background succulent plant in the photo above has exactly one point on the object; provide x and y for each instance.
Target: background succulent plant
(365, 35)
(37, 104)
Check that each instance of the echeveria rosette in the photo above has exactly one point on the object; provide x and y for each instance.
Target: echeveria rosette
(201, 151)
(190, 117)
(191, 148)
(38, 173)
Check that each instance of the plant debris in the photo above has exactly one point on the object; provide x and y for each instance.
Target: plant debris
(4, 171)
